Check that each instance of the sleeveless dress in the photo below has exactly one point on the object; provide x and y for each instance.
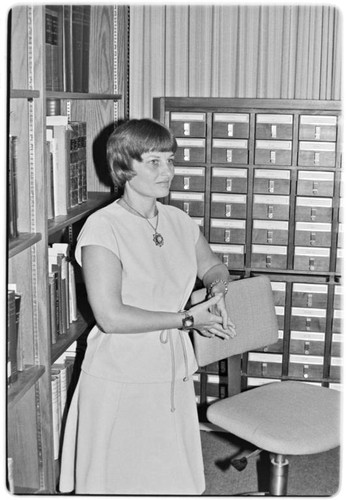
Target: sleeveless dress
(132, 426)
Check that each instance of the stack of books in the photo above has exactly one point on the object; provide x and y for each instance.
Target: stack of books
(12, 211)
(14, 335)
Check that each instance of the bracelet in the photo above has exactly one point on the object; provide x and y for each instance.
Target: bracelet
(215, 282)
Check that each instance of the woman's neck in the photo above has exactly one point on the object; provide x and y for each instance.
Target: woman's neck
(146, 206)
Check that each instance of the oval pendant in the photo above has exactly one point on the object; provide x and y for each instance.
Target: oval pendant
(158, 239)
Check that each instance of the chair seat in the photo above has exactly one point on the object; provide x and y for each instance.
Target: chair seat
(289, 418)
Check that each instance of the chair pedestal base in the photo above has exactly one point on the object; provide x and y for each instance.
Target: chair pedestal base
(278, 475)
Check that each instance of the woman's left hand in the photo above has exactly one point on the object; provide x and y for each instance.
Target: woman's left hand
(220, 310)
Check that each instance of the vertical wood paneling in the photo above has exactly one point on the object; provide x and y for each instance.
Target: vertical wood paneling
(290, 52)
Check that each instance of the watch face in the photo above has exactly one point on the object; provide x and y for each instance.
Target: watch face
(188, 322)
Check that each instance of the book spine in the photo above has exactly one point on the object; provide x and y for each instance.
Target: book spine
(77, 34)
(48, 32)
(68, 48)
(57, 48)
(12, 340)
(86, 48)
(12, 188)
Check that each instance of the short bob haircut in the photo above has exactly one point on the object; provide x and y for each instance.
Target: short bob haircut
(130, 140)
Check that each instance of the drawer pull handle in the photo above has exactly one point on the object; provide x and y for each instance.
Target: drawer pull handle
(318, 133)
(315, 187)
(316, 158)
(228, 210)
(271, 185)
(225, 259)
(264, 369)
(274, 131)
(227, 235)
(186, 183)
(268, 261)
(270, 211)
(228, 184)
(306, 347)
(272, 156)
(312, 239)
(309, 304)
(269, 236)
(186, 154)
(313, 214)
(311, 264)
(230, 129)
(306, 371)
(186, 207)
(308, 324)
(229, 155)
(186, 129)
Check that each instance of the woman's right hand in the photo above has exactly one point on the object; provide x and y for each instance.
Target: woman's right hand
(209, 324)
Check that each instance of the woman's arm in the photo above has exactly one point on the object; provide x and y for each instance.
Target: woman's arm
(102, 272)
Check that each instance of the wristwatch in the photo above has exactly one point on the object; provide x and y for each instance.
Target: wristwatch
(187, 321)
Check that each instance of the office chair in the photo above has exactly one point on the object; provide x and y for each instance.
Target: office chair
(282, 418)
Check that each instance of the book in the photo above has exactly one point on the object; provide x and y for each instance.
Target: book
(77, 36)
(53, 311)
(68, 48)
(54, 47)
(74, 164)
(81, 171)
(56, 415)
(86, 48)
(55, 266)
(13, 311)
(64, 249)
(12, 210)
(50, 146)
(48, 48)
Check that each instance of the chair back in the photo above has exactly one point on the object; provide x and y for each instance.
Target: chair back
(251, 308)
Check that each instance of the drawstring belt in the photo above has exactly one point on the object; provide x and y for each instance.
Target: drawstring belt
(168, 338)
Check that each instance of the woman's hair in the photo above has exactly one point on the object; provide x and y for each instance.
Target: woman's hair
(130, 140)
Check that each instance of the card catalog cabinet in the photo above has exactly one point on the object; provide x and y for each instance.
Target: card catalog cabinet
(261, 177)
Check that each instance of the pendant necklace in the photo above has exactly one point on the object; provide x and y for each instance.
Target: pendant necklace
(157, 237)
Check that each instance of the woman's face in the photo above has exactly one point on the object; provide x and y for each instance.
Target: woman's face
(154, 174)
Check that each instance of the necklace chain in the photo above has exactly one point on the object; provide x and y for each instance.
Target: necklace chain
(157, 237)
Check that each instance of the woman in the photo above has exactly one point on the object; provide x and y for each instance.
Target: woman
(132, 426)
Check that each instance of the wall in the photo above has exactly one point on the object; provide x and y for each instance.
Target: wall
(290, 52)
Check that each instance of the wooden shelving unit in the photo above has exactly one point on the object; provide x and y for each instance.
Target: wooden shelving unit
(32, 468)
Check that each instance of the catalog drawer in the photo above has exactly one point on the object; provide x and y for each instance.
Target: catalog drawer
(340, 237)
(271, 181)
(309, 295)
(228, 205)
(317, 234)
(279, 292)
(337, 320)
(336, 365)
(308, 343)
(312, 183)
(317, 154)
(216, 387)
(305, 367)
(269, 257)
(262, 364)
(191, 203)
(230, 151)
(280, 316)
(190, 150)
(274, 126)
(311, 259)
(338, 297)
(317, 128)
(339, 260)
(271, 207)
(189, 179)
(229, 180)
(308, 319)
(278, 346)
(227, 231)
(188, 124)
(314, 209)
(231, 125)
(233, 256)
(273, 152)
(337, 347)
(270, 232)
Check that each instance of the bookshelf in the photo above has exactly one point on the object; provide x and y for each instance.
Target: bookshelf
(32, 467)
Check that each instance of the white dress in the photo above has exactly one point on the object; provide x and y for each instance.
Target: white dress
(132, 426)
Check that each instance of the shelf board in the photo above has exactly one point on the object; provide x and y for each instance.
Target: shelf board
(22, 242)
(64, 341)
(96, 200)
(24, 94)
(90, 96)
(26, 379)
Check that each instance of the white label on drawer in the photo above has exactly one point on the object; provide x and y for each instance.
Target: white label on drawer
(314, 202)
(192, 143)
(256, 381)
(271, 199)
(306, 360)
(269, 249)
(274, 118)
(336, 361)
(318, 120)
(338, 290)
(278, 286)
(339, 253)
(264, 357)
(313, 336)
(189, 171)
(337, 338)
(319, 227)
(199, 221)
(279, 225)
(272, 174)
(213, 379)
(337, 314)
(175, 195)
(229, 172)
(236, 249)
(315, 176)
(310, 288)
(279, 310)
(281, 145)
(233, 224)
(230, 143)
(231, 117)
(189, 117)
(228, 198)
(317, 146)
(309, 312)
(308, 252)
